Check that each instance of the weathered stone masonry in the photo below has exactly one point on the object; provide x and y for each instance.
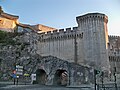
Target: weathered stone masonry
(86, 44)
(59, 43)
(91, 42)
(76, 74)
(95, 39)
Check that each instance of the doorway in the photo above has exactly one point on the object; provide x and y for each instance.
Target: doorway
(41, 76)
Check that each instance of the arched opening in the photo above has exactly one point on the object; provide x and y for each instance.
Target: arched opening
(41, 76)
(60, 77)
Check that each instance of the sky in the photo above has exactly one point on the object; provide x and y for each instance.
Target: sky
(62, 13)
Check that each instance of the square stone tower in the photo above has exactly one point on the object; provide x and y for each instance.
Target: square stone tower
(95, 40)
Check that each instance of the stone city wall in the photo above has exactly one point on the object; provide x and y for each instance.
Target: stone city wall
(114, 53)
(114, 62)
(61, 43)
(76, 74)
(88, 42)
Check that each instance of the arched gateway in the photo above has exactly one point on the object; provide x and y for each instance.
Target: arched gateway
(60, 77)
(41, 76)
(53, 71)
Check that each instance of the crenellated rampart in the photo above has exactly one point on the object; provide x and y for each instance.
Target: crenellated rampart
(113, 37)
(114, 58)
(92, 16)
(60, 34)
(86, 44)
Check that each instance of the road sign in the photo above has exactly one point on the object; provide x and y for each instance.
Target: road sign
(33, 77)
(19, 70)
(18, 66)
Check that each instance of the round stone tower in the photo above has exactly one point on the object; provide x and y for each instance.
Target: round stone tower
(95, 40)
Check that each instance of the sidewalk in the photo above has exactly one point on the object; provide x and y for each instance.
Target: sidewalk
(14, 86)
(6, 82)
(12, 83)
(83, 86)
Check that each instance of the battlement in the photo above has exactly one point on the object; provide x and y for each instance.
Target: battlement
(114, 58)
(60, 31)
(93, 16)
(113, 37)
(61, 34)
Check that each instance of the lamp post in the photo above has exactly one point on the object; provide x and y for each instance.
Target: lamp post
(102, 80)
(95, 79)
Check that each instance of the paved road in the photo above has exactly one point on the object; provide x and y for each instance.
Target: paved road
(9, 86)
(40, 87)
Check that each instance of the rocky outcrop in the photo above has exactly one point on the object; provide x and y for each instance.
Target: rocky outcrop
(21, 51)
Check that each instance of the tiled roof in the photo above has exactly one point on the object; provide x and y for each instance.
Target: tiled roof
(9, 16)
(27, 26)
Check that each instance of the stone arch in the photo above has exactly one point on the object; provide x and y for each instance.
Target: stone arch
(41, 76)
(61, 77)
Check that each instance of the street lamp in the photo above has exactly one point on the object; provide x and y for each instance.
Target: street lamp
(102, 80)
(95, 72)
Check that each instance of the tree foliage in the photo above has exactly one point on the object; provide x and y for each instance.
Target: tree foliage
(6, 38)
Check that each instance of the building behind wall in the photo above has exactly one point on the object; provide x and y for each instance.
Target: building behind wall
(8, 22)
(114, 53)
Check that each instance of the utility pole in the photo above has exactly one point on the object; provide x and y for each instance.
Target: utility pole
(114, 74)
(95, 79)
(102, 80)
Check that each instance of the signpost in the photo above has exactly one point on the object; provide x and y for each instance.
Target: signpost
(19, 70)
